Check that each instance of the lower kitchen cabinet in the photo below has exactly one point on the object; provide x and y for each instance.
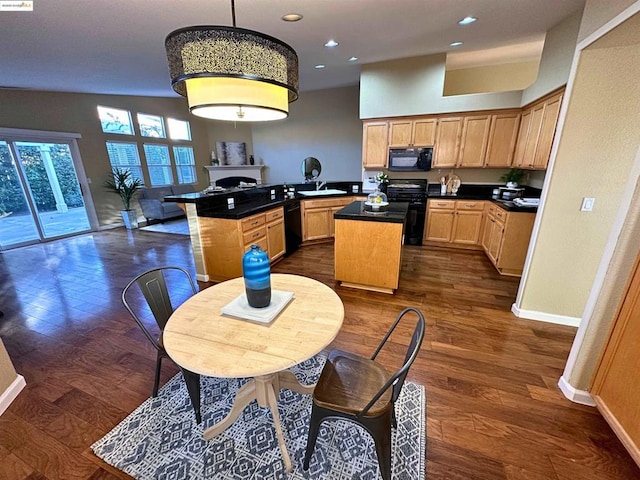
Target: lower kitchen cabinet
(506, 238)
(455, 222)
(226, 240)
(317, 216)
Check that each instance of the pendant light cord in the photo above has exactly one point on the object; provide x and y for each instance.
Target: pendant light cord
(233, 12)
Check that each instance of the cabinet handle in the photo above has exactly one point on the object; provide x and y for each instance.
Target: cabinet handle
(469, 204)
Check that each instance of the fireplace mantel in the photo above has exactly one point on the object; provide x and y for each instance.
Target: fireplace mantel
(224, 171)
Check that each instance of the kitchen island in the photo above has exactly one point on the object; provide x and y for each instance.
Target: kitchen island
(368, 246)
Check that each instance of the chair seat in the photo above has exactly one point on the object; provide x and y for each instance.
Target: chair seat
(348, 382)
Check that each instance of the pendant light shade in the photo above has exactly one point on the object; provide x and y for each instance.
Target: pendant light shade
(230, 73)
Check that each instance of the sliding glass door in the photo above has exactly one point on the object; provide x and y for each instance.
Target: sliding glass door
(40, 195)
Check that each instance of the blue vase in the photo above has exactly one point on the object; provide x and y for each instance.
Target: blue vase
(257, 277)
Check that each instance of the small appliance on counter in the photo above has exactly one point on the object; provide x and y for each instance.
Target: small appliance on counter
(505, 193)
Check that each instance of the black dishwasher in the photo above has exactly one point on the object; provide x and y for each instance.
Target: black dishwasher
(292, 226)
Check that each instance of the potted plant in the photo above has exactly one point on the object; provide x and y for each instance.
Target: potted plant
(126, 186)
(513, 177)
(382, 179)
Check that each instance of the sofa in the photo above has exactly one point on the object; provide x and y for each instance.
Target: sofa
(154, 207)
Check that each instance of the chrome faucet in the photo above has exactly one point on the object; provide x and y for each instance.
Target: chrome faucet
(320, 184)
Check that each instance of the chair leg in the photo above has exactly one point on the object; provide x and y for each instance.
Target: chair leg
(380, 430)
(156, 382)
(394, 422)
(193, 387)
(314, 427)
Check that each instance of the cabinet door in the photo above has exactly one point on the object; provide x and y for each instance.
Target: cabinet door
(275, 239)
(447, 142)
(424, 132)
(375, 150)
(495, 242)
(523, 135)
(503, 135)
(530, 147)
(332, 221)
(316, 224)
(547, 131)
(489, 222)
(439, 225)
(400, 133)
(473, 143)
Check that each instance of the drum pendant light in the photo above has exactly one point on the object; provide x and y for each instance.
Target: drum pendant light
(230, 73)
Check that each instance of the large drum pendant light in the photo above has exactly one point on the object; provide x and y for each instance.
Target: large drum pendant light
(230, 73)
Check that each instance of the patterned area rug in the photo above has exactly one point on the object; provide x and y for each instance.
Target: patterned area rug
(177, 227)
(160, 439)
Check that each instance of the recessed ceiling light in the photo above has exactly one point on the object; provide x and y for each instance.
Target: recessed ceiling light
(331, 44)
(320, 66)
(292, 17)
(352, 59)
(467, 20)
(455, 44)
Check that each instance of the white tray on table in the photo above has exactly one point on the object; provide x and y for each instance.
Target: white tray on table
(239, 307)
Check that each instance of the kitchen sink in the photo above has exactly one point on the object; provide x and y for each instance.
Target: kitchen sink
(322, 193)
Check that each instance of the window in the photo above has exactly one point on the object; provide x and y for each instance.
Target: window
(179, 129)
(185, 164)
(114, 120)
(158, 164)
(151, 126)
(125, 155)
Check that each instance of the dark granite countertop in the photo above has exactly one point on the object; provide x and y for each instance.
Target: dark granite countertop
(485, 192)
(396, 212)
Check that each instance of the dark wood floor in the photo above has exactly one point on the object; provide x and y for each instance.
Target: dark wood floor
(493, 408)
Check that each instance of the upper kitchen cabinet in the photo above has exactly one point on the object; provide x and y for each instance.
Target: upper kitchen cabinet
(375, 150)
(416, 132)
(503, 135)
(473, 143)
(536, 132)
(447, 143)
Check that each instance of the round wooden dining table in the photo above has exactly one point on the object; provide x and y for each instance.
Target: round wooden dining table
(199, 338)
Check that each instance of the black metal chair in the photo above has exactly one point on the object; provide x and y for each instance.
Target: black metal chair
(153, 286)
(360, 390)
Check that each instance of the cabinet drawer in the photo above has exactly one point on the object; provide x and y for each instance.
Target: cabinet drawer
(444, 204)
(251, 237)
(252, 222)
(501, 215)
(470, 205)
(274, 215)
(324, 202)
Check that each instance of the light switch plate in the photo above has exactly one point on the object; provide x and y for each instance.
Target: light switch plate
(587, 204)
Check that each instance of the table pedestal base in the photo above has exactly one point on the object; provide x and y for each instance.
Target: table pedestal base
(264, 389)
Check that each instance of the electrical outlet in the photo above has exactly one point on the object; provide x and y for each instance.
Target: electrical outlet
(587, 204)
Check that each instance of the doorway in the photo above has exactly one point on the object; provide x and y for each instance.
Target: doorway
(41, 197)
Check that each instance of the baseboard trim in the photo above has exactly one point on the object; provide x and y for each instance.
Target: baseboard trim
(545, 317)
(202, 278)
(11, 393)
(576, 396)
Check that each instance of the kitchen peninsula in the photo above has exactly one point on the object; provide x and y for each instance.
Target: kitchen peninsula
(223, 223)
(368, 246)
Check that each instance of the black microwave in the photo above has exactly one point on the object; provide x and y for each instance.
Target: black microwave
(410, 159)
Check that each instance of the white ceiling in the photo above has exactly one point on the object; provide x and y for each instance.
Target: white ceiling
(117, 46)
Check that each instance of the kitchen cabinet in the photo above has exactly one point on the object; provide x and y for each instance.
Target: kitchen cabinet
(412, 132)
(317, 217)
(447, 143)
(537, 129)
(615, 387)
(506, 237)
(375, 148)
(473, 141)
(501, 143)
(225, 241)
(456, 222)
(276, 245)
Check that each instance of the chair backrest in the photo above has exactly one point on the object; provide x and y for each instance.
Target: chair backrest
(153, 286)
(397, 379)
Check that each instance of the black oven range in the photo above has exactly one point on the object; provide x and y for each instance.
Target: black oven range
(413, 191)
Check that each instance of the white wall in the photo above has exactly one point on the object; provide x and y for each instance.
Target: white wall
(323, 124)
(414, 86)
(557, 55)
